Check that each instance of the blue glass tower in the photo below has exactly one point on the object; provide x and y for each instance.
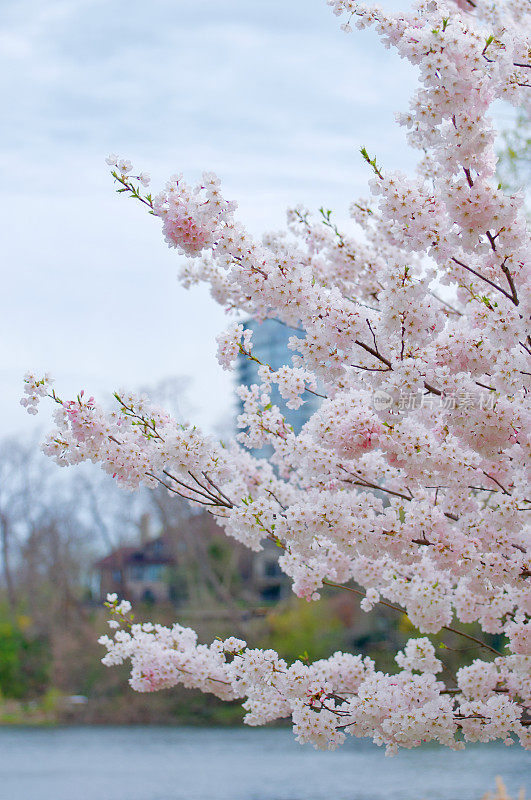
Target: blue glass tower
(270, 345)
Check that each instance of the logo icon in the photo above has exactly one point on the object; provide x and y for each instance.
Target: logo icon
(381, 400)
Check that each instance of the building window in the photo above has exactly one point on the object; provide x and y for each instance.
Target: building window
(272, 570)
(147, 573)
(270, 594)
(153, 572)
(137, 572)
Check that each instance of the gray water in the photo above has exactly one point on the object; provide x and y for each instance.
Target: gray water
(144, 763)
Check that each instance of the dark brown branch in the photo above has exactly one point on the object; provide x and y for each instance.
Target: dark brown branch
(483, 278)
(385, 361)
(211, 482)
(208, 496)
(510, 281)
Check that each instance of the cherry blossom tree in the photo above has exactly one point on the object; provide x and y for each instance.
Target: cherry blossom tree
(411, 481)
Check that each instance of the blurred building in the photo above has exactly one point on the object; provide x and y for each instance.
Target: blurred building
(193, 555)
(138, 572)
(270, 345)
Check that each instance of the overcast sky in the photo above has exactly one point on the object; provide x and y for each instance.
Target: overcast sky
(269, 94)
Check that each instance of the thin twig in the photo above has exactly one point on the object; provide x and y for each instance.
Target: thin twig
(401, 611)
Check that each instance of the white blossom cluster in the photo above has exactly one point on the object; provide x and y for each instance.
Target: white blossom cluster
(193, 218)
(330, 698)
(425, 506)
(230, 344)
(34, 390)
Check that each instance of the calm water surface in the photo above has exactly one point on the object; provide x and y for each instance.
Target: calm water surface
(144, 763)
